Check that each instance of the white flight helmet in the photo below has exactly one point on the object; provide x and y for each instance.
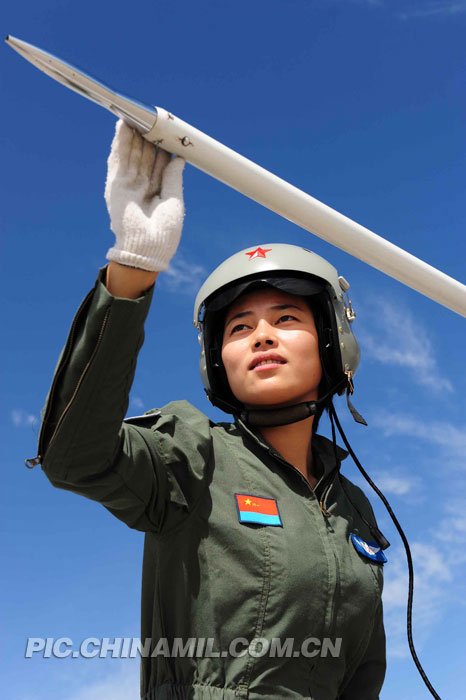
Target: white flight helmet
(295, 270)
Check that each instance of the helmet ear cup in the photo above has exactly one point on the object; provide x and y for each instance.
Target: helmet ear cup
(329, 351)
(322, 310)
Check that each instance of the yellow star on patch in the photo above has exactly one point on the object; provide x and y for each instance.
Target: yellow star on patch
(248, 501)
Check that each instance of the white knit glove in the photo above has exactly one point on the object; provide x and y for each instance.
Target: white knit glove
(144, 196)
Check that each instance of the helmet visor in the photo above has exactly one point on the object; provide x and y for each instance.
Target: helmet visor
(292, 285)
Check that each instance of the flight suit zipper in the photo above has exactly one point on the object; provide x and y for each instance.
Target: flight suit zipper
(32, 462)
(327, 481)
(323, 488)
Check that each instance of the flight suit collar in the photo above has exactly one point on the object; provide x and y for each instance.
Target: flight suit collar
(322, 448)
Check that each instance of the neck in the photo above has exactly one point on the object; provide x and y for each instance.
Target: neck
(294, 443)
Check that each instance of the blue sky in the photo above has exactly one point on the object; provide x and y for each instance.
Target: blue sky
(360, 103)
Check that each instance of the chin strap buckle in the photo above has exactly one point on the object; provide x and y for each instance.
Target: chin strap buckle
(350, 386)
(350, 390)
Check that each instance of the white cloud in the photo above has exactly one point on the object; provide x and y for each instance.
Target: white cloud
(137, 402)
(418, 9)
(452, 528)
(398, 340)
(398, 485)
(432, 563)
(118, 685)
(439, 559)
(443, 434)
(436, 8)
(183, 276)
(432, 570)
(394, 480)
(22, 419)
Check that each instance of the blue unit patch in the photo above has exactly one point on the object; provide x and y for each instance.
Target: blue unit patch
(370, 550)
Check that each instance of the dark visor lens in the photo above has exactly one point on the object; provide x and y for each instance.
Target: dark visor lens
(292, 285)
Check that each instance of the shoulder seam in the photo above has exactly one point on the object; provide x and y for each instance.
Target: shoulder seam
(155, 413)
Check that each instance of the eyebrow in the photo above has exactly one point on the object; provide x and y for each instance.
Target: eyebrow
(241, 314)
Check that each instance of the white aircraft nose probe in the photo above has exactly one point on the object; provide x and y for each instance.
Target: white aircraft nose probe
(205, 153)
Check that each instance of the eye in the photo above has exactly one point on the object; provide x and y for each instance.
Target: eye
(238, 326)
(244, 325)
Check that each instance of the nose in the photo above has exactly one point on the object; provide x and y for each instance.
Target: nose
(264, 335)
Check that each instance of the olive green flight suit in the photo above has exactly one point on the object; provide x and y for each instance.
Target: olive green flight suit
(173, 474)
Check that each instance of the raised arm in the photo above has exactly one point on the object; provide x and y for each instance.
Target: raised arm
(128, 282)
(84, 446)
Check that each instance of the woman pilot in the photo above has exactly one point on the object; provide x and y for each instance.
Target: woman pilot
(260, 579)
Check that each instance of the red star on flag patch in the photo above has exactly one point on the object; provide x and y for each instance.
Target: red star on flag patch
(258, 253)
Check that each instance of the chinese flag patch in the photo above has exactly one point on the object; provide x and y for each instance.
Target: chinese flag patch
(255, 509)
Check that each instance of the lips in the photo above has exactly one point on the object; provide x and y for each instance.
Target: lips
(266, 356)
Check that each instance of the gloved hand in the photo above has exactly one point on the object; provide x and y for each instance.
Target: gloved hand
(144, 196)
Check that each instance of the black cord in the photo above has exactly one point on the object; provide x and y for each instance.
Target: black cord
(406, 546)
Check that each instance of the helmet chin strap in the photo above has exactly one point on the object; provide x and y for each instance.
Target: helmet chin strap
(271, 417)
(284, 415)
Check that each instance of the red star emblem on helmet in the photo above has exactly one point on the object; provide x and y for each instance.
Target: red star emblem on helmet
(258, 253)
